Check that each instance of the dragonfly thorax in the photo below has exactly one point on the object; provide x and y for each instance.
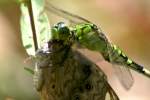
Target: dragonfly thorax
(84, 28)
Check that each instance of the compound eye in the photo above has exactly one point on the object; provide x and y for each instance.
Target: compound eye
(64, 30)
(61, 31)
(60, 24)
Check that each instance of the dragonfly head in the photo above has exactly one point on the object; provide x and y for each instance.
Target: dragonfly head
(60, 31)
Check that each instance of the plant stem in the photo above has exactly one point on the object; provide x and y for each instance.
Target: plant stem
(33, 25)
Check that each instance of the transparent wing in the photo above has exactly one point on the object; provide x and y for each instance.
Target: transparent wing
(122, 72)
(64, 14)
(91, 55)
(124, 75)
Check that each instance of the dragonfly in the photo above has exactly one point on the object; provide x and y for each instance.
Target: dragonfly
(60, 73)
(91, 37)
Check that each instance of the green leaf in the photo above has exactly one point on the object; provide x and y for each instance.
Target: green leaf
(41, 22)
(27, 37)
(41, 25)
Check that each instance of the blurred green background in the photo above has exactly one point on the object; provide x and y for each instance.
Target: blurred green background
(125, 22)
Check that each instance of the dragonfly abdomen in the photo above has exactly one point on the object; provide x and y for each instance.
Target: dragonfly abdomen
(118, 57)
(139, 68)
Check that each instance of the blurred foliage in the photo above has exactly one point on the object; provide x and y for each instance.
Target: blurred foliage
(3, 3)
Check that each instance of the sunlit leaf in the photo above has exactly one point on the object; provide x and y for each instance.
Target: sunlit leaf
(41, 22)
(41, 25)
(27, 37)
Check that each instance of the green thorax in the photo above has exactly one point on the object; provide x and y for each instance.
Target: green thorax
(90, 37)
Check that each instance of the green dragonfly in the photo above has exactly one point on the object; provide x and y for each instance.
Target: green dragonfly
(57, 49)
(60, 72)
(91, 37)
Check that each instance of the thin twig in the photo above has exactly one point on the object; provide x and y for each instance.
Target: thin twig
(33, 25)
